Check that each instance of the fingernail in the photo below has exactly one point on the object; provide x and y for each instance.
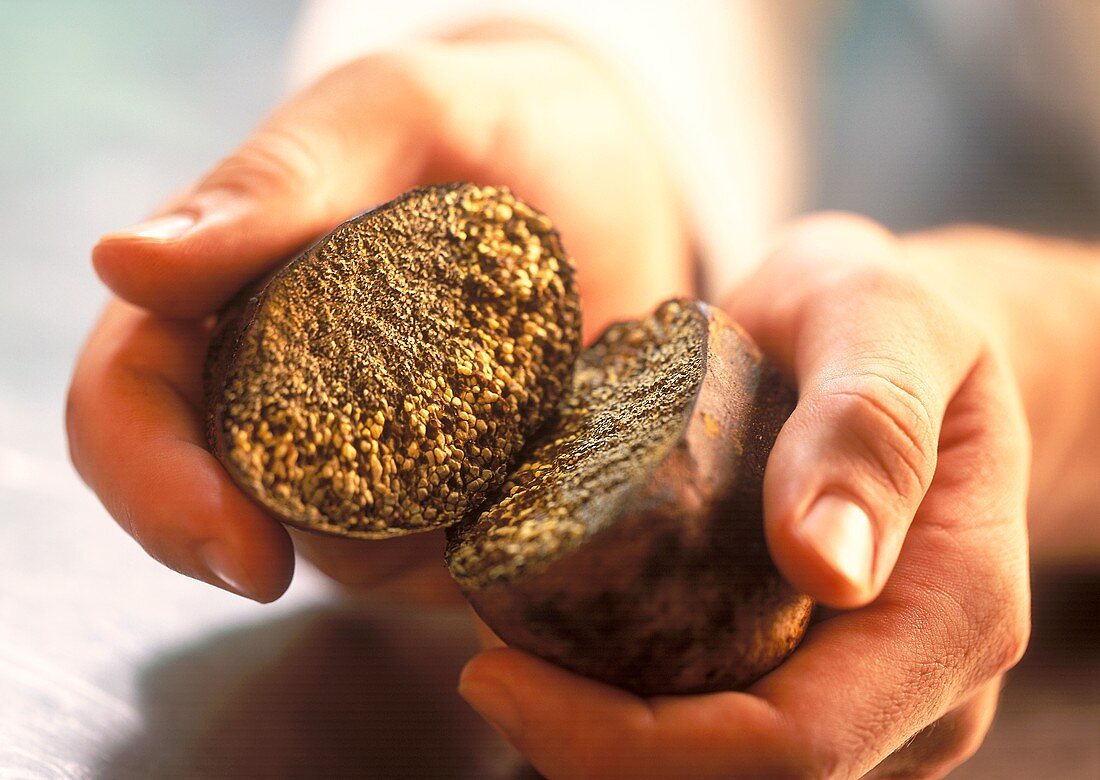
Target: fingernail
(223, 568)
(841, 533)
(494, 703)
(166, 228)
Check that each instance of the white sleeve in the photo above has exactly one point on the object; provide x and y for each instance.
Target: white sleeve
(705, 71)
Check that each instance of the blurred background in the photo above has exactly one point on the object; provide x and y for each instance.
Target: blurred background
(113, 667)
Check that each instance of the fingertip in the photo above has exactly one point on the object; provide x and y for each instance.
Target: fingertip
(147, 272)
(167, 227)
(113, 258)
(827, 552)
(547, 692)
(495, 664)
(223, 564)
(566, 725)
(187, 263)
(484, 685)
(253, 555)
(190, 516)
(542, 687)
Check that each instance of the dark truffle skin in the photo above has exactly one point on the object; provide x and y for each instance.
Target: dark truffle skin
(384, 381)
(659, 580)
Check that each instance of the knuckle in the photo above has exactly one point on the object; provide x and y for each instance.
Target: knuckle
(847, 240)
(1001, 619)
(406, 80)
(938, 748)
(422, 83)
(892, 425)
(984, 634)
(1012, 433)
(873, 276)
(1016, 634)
(277, 159)
(405, 66)
(879, 276)
(288, 156)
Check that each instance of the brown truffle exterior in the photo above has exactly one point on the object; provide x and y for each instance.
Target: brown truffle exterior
(659, 582)
(384, 381)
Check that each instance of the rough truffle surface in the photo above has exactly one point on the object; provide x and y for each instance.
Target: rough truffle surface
(629, 545)
(385, 380)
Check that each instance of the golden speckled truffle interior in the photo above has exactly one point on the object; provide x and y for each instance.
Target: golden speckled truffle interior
(385, 381)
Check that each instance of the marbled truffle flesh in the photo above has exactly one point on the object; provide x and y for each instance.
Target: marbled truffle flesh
(384, 381)
(628, 545)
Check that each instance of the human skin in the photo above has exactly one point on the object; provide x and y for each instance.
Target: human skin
(909, 403)
(929, 371)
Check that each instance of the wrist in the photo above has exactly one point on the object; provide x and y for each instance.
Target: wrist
(1038, 302)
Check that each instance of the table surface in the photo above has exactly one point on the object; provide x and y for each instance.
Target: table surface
(111, 666)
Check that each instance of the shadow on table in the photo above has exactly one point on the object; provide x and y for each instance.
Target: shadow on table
(336, 692)
(324, 693)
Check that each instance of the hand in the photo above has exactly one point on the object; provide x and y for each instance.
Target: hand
(896, 493)
(496, 105)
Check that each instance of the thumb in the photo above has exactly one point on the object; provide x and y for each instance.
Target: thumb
(877, 359)
(355, 138)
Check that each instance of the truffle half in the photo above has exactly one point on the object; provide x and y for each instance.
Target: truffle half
(384, 381)
(628, 545)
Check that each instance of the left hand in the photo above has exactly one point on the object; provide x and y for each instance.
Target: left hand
(896, 492)
(505, 105)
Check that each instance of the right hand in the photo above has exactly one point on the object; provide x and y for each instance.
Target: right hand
(497, 106)
(895, 492)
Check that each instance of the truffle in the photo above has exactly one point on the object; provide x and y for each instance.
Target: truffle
(628, 545)
(384, 381)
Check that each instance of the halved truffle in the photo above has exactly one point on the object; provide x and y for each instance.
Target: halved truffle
(628, 545)
(384, 381)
